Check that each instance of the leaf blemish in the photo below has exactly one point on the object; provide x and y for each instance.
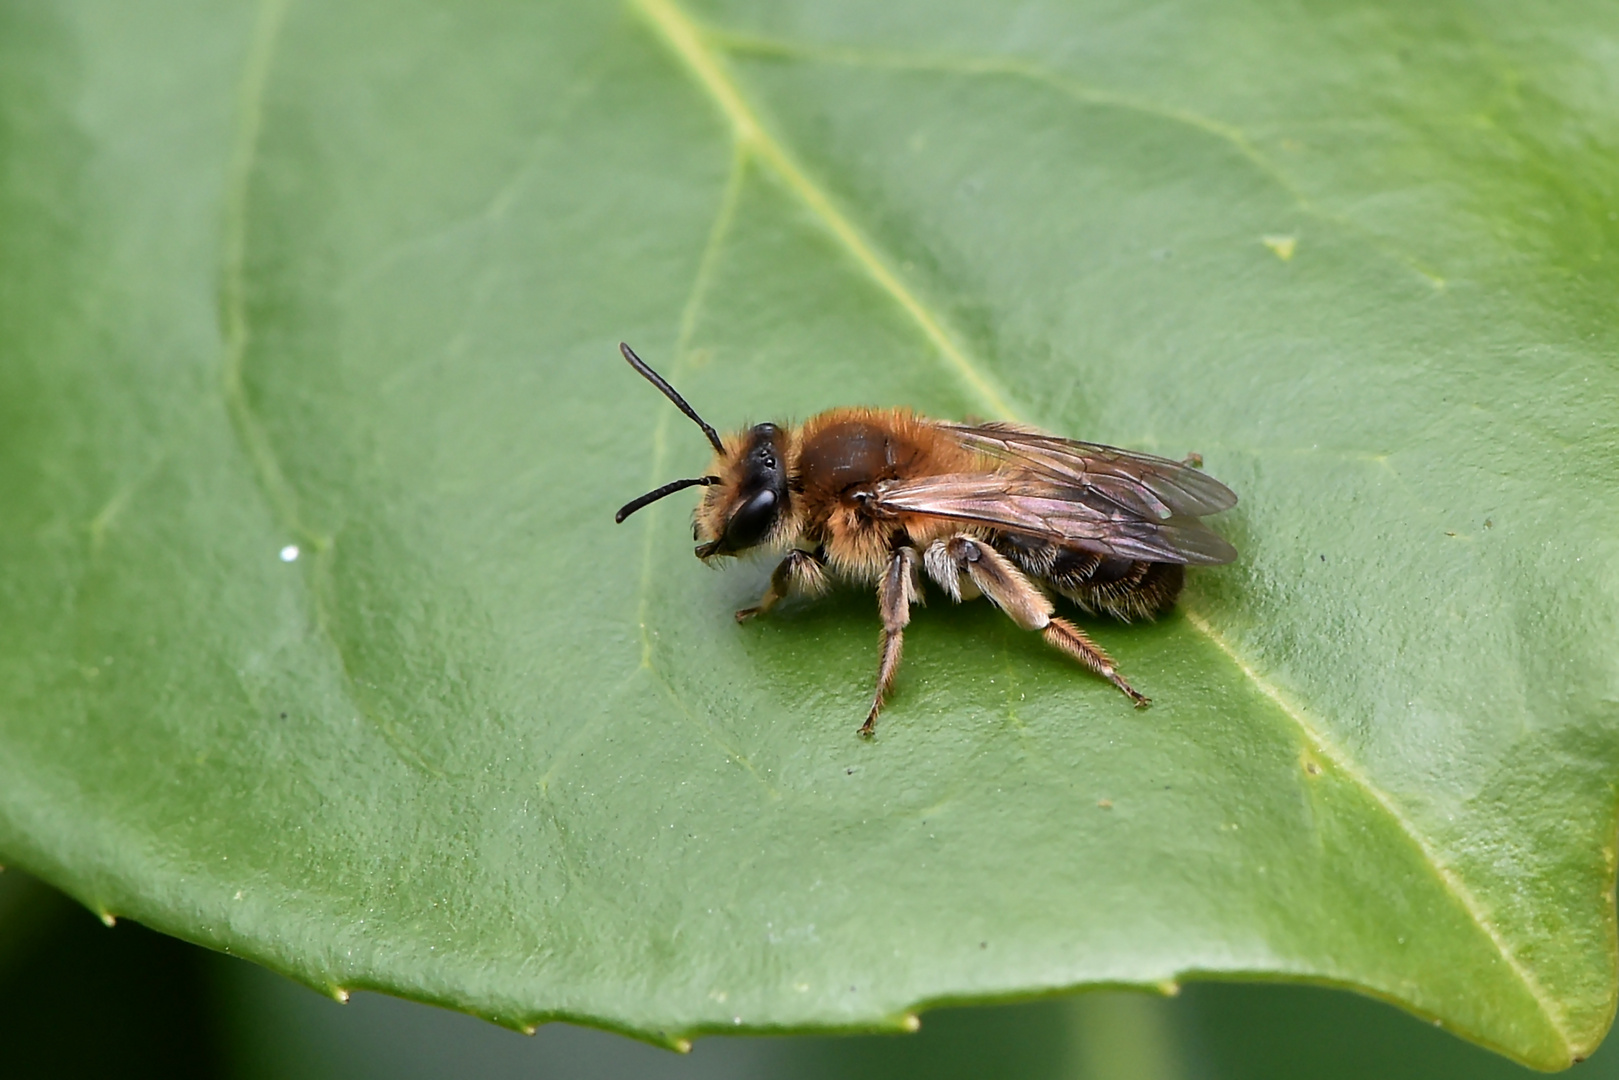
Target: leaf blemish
(1282, 246)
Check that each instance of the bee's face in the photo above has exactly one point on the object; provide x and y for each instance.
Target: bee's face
(740, 512)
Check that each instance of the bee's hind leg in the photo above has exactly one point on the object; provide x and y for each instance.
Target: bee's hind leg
(896, 592)
(799, 574)
(1064, 635)
(992, 574)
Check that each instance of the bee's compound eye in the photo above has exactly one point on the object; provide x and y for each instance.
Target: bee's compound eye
(749, 525)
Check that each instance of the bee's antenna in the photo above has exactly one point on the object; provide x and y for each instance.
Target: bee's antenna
(680, 403)
(668, 489)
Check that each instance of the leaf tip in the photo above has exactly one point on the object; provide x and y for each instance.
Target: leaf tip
(108, 919)
(912, 1022)
(339, 995)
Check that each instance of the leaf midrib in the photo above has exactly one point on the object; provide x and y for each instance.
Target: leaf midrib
(250, 431)
(692, 44)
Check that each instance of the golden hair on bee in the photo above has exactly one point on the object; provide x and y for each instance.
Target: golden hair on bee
(880, 497)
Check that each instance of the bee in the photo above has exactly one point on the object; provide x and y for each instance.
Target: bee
(878, 497)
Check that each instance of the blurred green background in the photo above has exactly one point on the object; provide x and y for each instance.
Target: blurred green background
(77, 999)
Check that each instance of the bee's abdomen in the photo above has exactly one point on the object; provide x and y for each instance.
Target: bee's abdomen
(1101, 584)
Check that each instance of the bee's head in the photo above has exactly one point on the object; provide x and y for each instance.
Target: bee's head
(748, 495)
(743, 509)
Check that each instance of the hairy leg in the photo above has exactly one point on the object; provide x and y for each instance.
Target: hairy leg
(896, 592)
(992, 574)
(1064, 635)
(799, 574)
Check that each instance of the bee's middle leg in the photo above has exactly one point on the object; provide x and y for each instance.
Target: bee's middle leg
(993, 575)
(896, 592)
(799, 574)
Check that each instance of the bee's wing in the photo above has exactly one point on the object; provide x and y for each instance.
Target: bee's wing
(1154, 487)
(1064, 512)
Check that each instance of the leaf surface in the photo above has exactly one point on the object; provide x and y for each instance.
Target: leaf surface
(320, 645)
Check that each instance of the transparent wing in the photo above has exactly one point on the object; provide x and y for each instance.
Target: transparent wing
(1150, 486)
(1032, 503)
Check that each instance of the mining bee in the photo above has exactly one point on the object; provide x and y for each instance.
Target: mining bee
(877, 496)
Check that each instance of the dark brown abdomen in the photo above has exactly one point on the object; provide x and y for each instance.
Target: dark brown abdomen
(1101, 584)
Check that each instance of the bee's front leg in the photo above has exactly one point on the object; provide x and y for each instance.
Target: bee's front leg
(896, 592)
(799, 574)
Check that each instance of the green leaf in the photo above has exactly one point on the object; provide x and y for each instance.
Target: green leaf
(320, 646)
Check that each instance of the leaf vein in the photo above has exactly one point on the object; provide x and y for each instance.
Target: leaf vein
(249, 429)
(1084, 93)
(735, 178)
(1350, 768)
(690, 44)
